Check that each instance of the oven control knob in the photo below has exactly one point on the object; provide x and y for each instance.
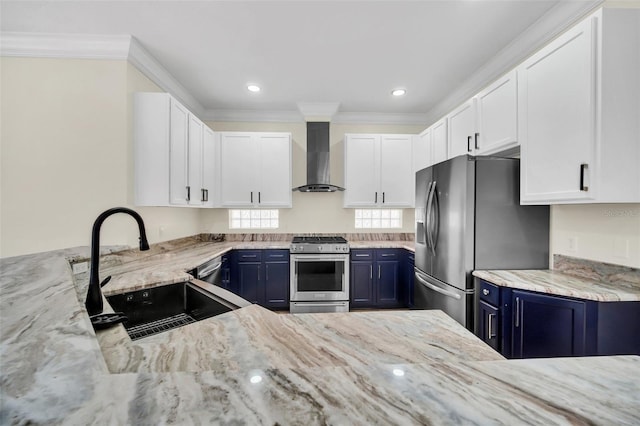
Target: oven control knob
(319, 248)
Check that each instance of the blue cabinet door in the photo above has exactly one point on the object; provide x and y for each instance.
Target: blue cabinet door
(249, 282)
(361, 285)
(276, 279)
(388, 284)
(547, 326)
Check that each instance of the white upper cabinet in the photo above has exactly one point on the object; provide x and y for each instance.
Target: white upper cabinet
(578, 114)
(462, 129)
(439, 142)
(497, 116)
(168, 152)
(430, 147)
(378, 170)
(422, 156)
(255, 169)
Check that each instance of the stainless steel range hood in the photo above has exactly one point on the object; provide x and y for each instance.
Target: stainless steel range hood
(318, 159)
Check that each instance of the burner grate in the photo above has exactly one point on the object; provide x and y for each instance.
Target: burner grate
(159, 326)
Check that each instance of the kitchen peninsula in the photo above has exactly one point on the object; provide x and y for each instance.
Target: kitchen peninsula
(253, 366)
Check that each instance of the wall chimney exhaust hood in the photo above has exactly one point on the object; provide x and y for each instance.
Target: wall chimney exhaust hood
(318, 159)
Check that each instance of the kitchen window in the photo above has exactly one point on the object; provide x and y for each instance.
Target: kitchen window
(378, 218)
(253, 219)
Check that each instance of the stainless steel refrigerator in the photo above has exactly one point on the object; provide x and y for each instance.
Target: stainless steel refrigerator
(468, 216)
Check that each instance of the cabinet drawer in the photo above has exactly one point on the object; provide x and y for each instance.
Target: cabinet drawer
(249, 255)
(276, 255)
(360, 254)
(387, 254)
(489, 293)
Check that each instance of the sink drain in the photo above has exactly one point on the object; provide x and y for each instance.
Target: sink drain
(159, 326)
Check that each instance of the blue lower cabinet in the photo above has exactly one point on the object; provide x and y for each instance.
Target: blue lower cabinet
(261, 277)
(376, 278)
(547, 326)
(361, 285)
(528, 324)
(276, 279)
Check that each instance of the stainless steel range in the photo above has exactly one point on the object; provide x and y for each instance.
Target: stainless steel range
(319, 274)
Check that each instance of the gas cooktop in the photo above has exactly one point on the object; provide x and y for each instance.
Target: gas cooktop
(319, 244)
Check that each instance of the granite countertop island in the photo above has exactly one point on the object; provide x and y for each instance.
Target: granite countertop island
(254, 366)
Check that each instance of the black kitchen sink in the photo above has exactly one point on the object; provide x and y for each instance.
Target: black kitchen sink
(154, 310)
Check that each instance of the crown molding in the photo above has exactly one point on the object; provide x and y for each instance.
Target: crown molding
(247, 115)
(379, 118)
(557, 20)
(96, 46)
(318, 111)
(150, 67)
(79, 46)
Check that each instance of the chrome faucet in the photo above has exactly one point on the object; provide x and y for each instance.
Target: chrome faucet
(94, 294)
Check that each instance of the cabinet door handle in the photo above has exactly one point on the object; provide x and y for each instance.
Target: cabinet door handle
(376, 200)
(188, 193)
(583, 167)
(259, 198)
(205, 195)
(476, 141)
(379, 267)
(517, 312)
(370, 272)
(251, 197)
(468, 143)
(383, 198)
(490, 334)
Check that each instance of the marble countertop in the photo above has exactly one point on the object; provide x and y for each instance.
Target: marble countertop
(253, 366)
(563, 284)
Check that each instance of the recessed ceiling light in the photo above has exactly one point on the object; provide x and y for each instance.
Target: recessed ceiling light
(399, 92)
(253, 88)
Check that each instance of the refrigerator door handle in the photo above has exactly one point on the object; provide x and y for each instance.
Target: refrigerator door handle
(427, 217)
(430, 223)
(436, 227)
(437, 289)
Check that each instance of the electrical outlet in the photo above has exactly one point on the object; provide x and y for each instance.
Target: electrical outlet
(80, 267)
(573, 244)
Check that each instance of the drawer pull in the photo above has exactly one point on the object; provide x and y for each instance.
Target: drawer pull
(485, 291)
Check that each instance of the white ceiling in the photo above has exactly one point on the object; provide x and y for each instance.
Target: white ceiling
(350, 52)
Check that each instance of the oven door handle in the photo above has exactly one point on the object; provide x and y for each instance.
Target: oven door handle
(320, 304)
(322, 257)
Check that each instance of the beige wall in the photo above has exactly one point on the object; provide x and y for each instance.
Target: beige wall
(603, 232)
(67, 155)
(311, 212)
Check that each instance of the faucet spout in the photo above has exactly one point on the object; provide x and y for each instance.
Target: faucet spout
(94, 294)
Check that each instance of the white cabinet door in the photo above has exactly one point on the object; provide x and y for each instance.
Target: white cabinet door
(238, 170)
(361, 178)
(439, 142)
(422, 150)
(255, 169)
(462, 129)
(497, 108)
(397, 181)
(208, 167)
(178, 154)
(168, 152)
(556, 105)
(196, 133)
(274, 185)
